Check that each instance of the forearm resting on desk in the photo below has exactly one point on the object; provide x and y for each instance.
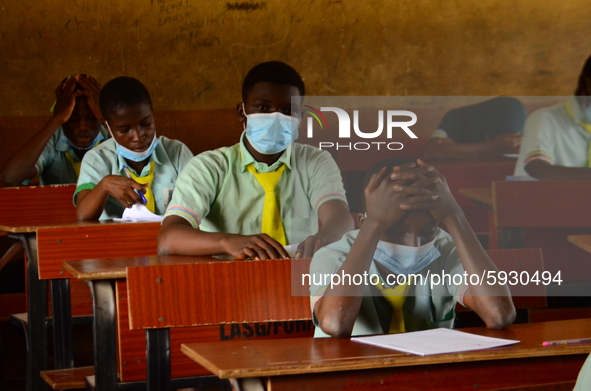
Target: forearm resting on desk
(178, 237)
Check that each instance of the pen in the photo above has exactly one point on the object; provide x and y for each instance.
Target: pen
(139, 192)
(566, 341)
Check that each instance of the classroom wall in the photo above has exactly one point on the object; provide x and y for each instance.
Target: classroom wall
(193, 54)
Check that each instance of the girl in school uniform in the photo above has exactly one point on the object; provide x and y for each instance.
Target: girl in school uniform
(135, 165)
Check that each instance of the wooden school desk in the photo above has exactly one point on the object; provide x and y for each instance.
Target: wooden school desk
(539, 214)
(107, 280)
(44, 219)
(340, 364)
(582, 241)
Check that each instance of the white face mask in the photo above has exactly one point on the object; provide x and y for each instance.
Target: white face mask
(406, 259)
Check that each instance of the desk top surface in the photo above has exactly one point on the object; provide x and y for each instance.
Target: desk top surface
(480, 194)
(115, 268)
(583, 241)
(242, 358)
(33, 224)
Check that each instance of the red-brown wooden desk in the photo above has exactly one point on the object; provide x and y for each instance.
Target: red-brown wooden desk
(111, 324)
(582, 241)
(340, 364)
(539, 214)
(34, 214)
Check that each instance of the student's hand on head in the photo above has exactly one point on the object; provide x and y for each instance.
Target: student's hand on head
(257, 247)
(431, 193)
(123, 189)
(91, 90)
(507, 143)
(65, 97)
(382, 202)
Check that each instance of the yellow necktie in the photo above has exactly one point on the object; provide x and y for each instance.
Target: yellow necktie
(396, 297)
(585, 126)
(151, 205)
(272, 224)
(75, 165)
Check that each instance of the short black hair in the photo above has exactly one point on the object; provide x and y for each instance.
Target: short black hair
(274, 72)
(389, 163)
(121, 92)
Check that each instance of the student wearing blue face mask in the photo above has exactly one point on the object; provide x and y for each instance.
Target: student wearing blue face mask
(55, 152)
(399, 243)
(133, 161)
(267, 191)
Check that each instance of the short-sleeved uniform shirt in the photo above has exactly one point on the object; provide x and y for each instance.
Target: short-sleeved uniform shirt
(53, 166)
(170, 156)
(217, 193)
(552, 135)
(584, 378)
(424, 308)
(482, 121)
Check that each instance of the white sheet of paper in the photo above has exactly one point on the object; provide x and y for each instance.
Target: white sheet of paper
(139, 212)
(291, 249)
(436, 341)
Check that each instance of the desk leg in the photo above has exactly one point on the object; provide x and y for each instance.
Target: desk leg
(62, 323)
(158, 359)
(37, 315)
(511, 238)
(105, 338)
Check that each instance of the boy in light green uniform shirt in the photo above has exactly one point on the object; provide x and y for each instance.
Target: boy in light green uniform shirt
(395, 256)
(220, 205)
(55, 152)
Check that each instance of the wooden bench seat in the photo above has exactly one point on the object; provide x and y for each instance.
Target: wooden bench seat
(67, 379)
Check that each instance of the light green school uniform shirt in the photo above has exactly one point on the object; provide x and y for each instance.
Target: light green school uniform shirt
(170, 156)
(216, 192)
(584, 378)
(424, 308)
(552, 135)
(53, 166)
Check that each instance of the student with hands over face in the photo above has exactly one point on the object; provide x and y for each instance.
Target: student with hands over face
(133, 161)
(404, 202)
(55, 152)
(252, 199)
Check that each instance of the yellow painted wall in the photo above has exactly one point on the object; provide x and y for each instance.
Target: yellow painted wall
(193, 54)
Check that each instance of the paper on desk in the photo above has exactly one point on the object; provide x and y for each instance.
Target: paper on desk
(138, 212)
(291, 249)
(436, 341)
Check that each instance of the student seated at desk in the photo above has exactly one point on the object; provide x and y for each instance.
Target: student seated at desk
(486, 129)
(56, 151)
(220, 205)
(134, 160)
(557, 139)
(404, 202)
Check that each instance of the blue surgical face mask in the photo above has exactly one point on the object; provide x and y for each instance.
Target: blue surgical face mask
(133, 155)
(406, 260)
(99, 137)
(271, 133)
